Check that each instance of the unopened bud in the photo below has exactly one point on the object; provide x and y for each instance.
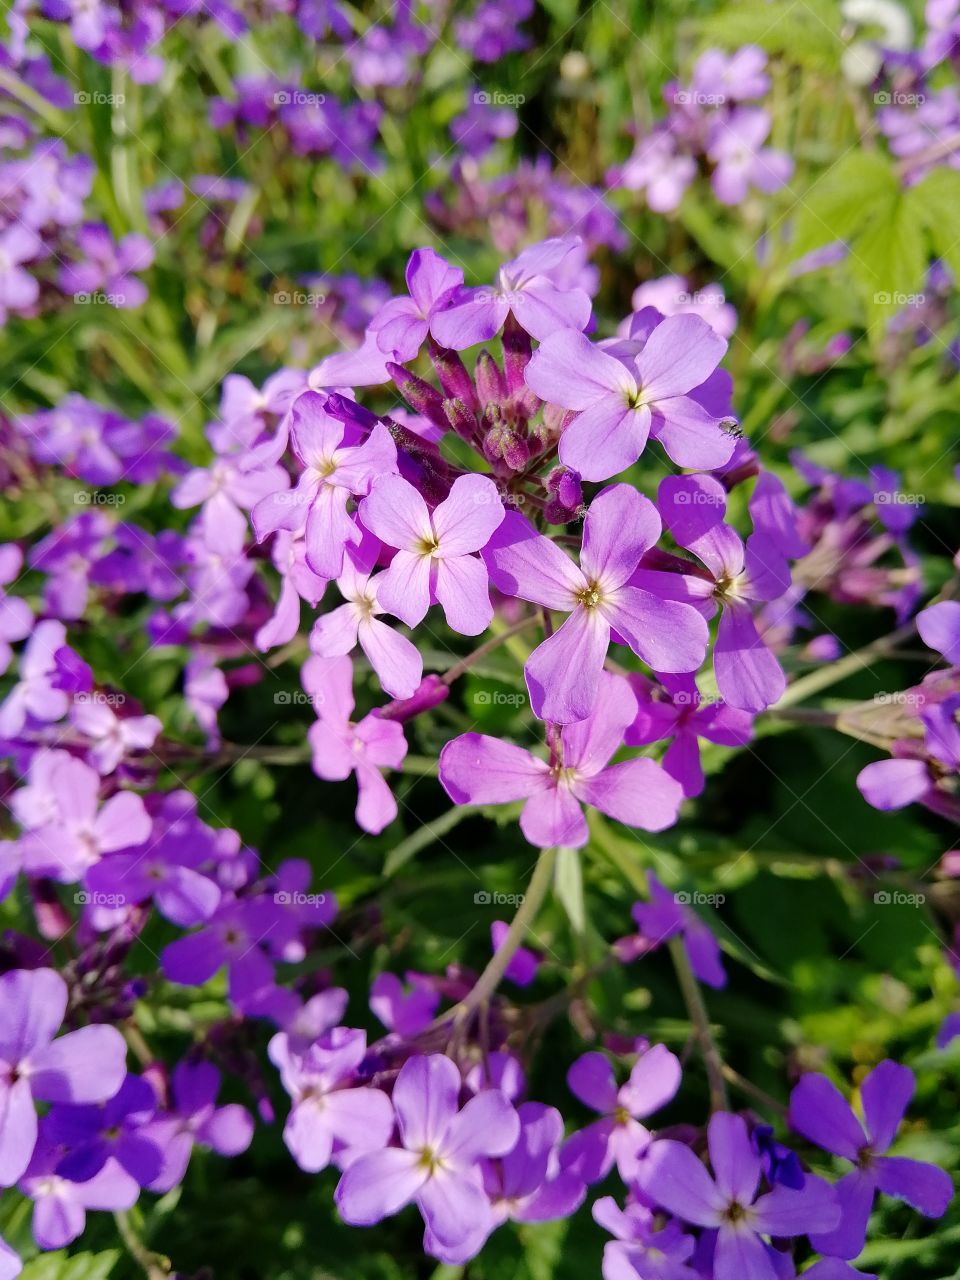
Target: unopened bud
(491, 387)
(517, 351)
(453, 375)
(419, 395)
(503, 444)
(461, 419)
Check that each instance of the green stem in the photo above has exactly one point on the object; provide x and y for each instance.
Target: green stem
(697, 1010)
(533, 900)
(458, 669)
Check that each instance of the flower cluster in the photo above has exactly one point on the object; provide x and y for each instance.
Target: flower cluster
(711, 125)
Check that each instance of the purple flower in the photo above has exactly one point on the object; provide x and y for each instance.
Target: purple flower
(524, 963)
(226, 489)
(657, 169)
(76, 830)
(642, 1250)
(526, 289)
(748, 674)
(736, 149)
(112, 1130)
(939, 628)
(111, 737)
(408, 1011)
(819, 1111)
(336, 466)
(728, 1202)
(674, 710)
(108, 267)
(437, 1163)
(196, 1119)
(341, 747)
(618, 1138)
(165, 873)
(665, 916)
(83, 1066)
(563, 672)
(60, 1204)
(435, 561)
(298, 582)
(16, 618)
(620, 400)
(476, 769)
(18, 288)
(525, 1185)
(393, 657)
(732, 77)
(402, 324)
(329, 1115)
(36, 694)
(914, 773)
(674, 296)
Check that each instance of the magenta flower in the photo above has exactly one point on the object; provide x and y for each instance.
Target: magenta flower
(19, 290)
(83, 1066)
(737, 577)
(524, 287)
(677, 1181)
(297, 582)
(402, 324)
(337, 464)
(618, 1138)
(16, 618)
(564, 671)
(622, 399)
(436, 1165)
(819, 1111)
(225, 490)
(328, 1114)
(393, 657)
(435, 560)
(476, 769)
(917, 774)
(341, 747)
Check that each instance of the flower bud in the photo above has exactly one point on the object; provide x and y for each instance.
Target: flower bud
(453, 375)
(419, 395)
(491, 387)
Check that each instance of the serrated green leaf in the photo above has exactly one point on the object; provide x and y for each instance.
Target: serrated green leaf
(861, 187)
(936, 203)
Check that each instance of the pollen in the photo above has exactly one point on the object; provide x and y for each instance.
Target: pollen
(591, 597)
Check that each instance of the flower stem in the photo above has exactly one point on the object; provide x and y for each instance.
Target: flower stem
(697, 1010)
(458, 669)
(533, 899)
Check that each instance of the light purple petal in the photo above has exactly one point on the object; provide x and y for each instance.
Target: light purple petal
(591, 1079)
(748, 674)
(668, 635)
(923, 1186)
(378, 1185)
(568, 370)
(619, 527)
(891, 784)
(740, 1255)
(454, 1206)
(939, 628)
(83, 1066)
(425, 1099)
(553, 817)
(563, 673)
(820, 1112)
(605, 439)
(404, 588)
(736, 1166)
(524, 563)
(462, 592)
(638, 793)
(477, 769)
(394, 658)
(681, 353)
(466, 519)
(679, 1183)
(653, 1082)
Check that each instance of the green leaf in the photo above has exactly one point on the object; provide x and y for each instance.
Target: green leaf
(936, 202)
(889, 259)
(860, 187)
(60, 1266)
(808, 33)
